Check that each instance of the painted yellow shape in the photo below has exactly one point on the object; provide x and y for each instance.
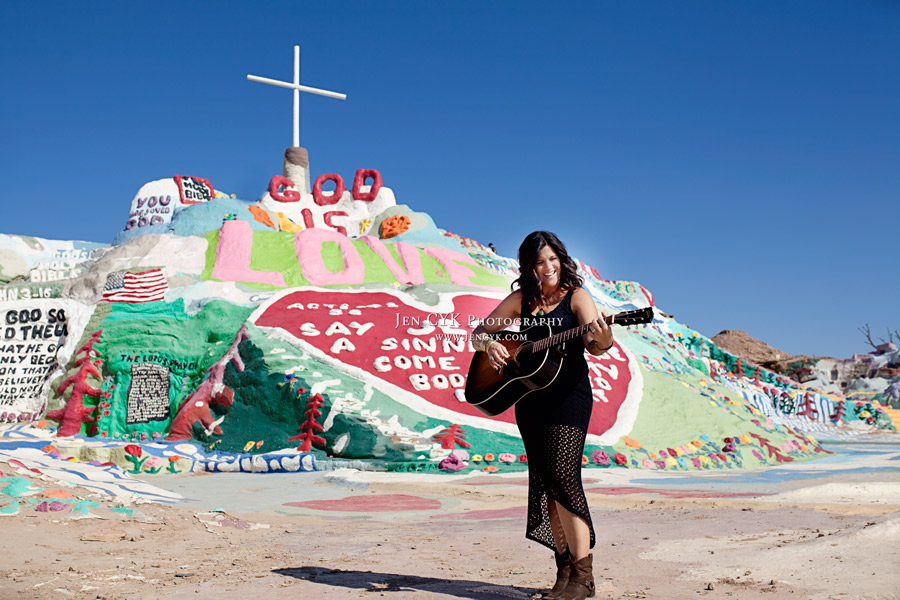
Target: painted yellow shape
(287, 225)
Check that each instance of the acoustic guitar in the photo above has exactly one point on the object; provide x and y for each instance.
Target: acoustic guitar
(532, 365)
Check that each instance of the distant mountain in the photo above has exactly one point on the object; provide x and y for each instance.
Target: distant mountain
(749, 348)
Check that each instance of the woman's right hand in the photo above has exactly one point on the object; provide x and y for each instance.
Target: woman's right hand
(498, 355)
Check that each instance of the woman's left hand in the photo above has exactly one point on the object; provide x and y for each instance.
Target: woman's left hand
(600, 337)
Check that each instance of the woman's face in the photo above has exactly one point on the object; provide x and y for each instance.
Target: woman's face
(547, 267)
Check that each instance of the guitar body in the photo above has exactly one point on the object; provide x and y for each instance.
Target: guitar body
(493, 392)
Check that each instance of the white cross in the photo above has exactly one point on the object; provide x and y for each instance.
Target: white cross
(297, 89)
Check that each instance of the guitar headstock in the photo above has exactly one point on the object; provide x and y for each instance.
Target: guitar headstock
(632, 317)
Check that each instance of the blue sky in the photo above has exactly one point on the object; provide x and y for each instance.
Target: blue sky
(739, 159)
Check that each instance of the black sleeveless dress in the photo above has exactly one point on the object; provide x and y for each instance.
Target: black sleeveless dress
(553, 423)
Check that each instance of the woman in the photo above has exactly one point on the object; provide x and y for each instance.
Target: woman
(554, 421)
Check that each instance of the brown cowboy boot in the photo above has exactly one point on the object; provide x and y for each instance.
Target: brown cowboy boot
(563, 569)
(581, 580)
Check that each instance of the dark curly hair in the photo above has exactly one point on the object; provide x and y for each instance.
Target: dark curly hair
(534, 242)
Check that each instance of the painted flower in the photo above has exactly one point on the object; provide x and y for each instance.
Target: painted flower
(451, 463)
(460, 454)
(488, 457)
(728, 448)
(704, 459)
(663, 454)
(476, 458)
(620, 458)
(600, 457)
(722, 457)
(671, 462)
(729, 440)
(523, 458)
(696, 462)
(632, 443)
(584, 459)
(506, 457)
(713, 457)
(154, 461)
(672, 452)
(745, 439)
(173, 459)
(758, 455)
(660, 463)
(133, 450)
(653, 455)
(647, 464)
(697, 443)
(490, 469)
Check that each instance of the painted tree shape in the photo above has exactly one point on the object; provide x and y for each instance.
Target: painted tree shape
(772, 450)
(75, 413)
(808, 408)
(450, 437)
(310, 425)
(212, 391)
(805, 441)
(839, 411)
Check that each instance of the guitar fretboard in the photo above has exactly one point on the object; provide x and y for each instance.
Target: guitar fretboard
(632, 317)
(563, 336)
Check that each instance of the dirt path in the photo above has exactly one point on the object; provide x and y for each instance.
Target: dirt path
(657, 544)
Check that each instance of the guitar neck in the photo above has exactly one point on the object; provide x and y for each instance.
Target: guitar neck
(632, 317)
(565, 336)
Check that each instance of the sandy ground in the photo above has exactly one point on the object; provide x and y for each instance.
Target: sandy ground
(828, 531)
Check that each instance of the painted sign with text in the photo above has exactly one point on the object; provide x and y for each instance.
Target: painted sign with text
(157, 201)
(422, 352)
(36, 339)
(345, 209)
(321, 257)
(32, 266)
(148, 389)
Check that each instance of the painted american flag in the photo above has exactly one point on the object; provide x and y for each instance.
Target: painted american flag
(146, 286)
